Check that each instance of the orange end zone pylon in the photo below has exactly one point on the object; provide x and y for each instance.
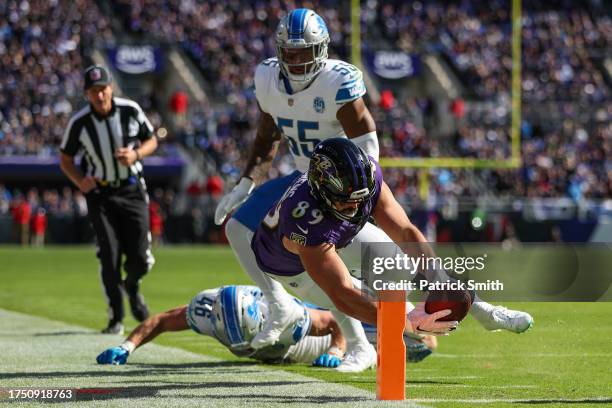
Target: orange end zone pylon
(391, 363)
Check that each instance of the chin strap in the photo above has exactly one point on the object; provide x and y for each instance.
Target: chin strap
(369, 144)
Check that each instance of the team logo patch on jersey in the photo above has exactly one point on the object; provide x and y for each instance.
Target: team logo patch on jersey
(319, 104)
(298, 239)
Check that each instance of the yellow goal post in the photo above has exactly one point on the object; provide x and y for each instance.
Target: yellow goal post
(514, 161)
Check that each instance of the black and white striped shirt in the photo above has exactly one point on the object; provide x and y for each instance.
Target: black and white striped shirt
(99, 138)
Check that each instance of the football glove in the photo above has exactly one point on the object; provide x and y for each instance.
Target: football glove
(115, 355)
(327, 360)
(233, 199)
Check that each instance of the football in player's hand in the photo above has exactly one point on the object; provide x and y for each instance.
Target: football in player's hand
(458, 301)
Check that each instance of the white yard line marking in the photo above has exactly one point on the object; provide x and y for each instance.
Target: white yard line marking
(537, 355)
(43, 353)
(436, 385)
(516, 400)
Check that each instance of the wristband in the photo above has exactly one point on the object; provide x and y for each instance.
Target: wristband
(334, 350)
(369, 144)
(128, 346)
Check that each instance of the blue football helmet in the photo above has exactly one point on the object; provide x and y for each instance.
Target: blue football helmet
(301, 29)
(340, 172)
(238, 315)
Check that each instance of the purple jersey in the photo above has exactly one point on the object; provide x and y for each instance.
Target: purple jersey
(298, 216)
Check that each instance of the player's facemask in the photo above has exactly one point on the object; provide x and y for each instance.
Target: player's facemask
(301, 45)
(341, 177)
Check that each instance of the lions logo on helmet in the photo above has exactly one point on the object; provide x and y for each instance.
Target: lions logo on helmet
(237, 316)
(301, 30)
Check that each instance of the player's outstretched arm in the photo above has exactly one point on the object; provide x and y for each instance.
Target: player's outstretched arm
(392, 218)
(172, 320)
(261, 155)
(328, 271)
(322, 324)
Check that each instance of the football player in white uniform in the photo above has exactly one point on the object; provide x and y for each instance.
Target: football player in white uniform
(234, 314)
(306, 97)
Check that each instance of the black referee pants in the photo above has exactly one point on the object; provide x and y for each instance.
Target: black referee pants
(120, 218)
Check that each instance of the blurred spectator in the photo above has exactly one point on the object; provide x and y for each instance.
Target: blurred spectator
(39, 227)
(214, 186)
(157, 222)
(387, 100)
(21, 211)
(179, 103)
(457, 108)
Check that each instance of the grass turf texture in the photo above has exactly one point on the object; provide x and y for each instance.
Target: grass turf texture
(564, 359)
(158, 377)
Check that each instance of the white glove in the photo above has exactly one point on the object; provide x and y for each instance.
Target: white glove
(233, 199)
(419, 321)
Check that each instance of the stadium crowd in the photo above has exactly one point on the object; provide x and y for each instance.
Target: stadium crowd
(41, 84)
(174, 217)
(561, 41)
(41, 53)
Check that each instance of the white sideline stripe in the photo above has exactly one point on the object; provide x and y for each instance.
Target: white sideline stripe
(501, 387)
(42, 353)
(448, 377)
(537, 355)
(515, 400)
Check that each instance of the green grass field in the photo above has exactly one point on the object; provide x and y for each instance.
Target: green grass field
(563, 360)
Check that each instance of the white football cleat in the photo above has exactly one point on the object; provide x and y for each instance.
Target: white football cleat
(359, 358)
(499, 318)
(280, 316)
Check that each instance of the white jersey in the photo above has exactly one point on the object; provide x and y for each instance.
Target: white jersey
(308, 349)
(198, 316)
(309, 116)
(199, 311)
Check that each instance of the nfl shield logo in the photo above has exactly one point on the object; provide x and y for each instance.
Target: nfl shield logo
(95, 74)
(319, 104)
(290, 102)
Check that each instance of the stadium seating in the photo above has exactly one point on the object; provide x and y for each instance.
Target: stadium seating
(567, 103)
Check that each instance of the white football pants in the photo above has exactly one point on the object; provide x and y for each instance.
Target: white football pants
(239, 237)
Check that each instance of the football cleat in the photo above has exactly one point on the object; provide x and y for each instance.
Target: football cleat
(139, 308)
(113, 328)
(358, 359)
(418, 347)
(500, 317)
(280, 317)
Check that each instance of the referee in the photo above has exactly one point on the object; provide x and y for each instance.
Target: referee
(114, 136)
